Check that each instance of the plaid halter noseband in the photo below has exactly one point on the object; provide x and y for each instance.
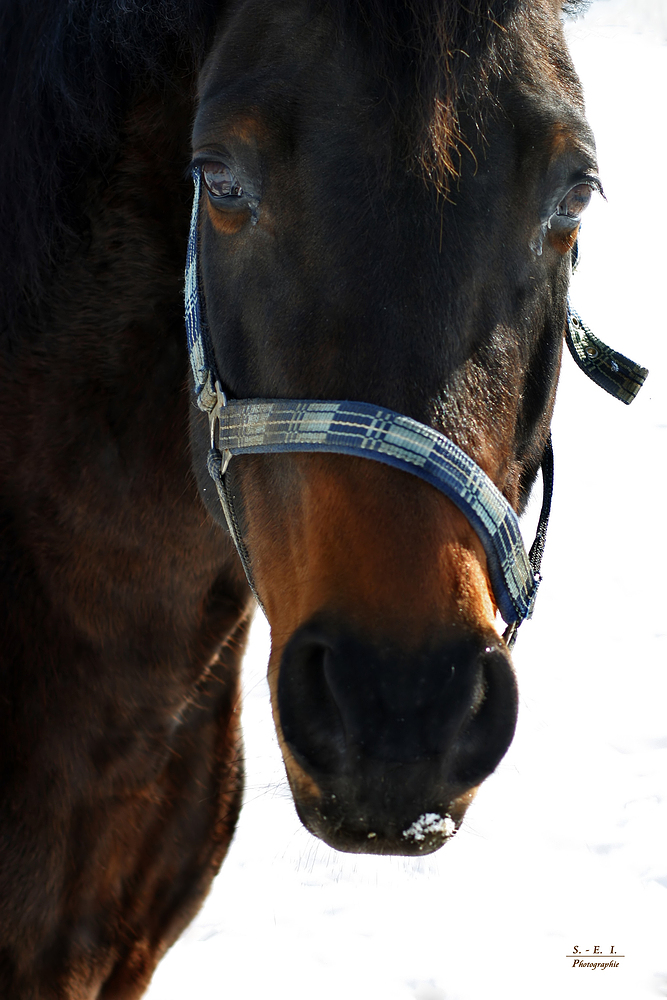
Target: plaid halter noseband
(270, 426)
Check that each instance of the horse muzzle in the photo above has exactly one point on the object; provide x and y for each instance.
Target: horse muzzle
(385, 748)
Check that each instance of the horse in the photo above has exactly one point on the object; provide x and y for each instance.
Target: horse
(389, 200)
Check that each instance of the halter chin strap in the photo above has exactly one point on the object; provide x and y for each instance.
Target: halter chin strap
(271, 426)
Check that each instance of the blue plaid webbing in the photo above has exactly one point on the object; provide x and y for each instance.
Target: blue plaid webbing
(202, 360)
(609, 369)
(269, 426)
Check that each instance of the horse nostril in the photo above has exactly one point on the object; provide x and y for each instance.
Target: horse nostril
(310, 720)
(344, 703)
(393, 737)
(484, 739)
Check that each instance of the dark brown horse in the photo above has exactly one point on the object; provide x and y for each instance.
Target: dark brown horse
(392, 193)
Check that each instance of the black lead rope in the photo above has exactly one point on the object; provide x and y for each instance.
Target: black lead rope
(537, 548)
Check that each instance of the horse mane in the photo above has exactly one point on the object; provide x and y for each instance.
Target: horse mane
(69, 72)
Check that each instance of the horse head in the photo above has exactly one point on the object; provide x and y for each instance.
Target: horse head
(390, 201)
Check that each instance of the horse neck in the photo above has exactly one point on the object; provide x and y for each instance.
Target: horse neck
(99, 492)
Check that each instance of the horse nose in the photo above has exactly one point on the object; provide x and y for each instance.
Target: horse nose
(442, 715)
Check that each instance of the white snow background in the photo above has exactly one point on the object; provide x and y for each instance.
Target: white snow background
(566, 844)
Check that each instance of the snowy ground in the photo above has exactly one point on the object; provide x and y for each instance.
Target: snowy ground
(567, 843)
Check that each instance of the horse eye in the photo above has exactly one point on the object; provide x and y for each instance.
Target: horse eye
(220, 181)
(575, 201)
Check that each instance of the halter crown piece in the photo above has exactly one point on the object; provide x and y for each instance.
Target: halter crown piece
(270, 426)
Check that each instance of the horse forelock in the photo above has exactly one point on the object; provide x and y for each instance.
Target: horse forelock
(436, 57)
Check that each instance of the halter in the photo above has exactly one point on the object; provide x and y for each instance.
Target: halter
(274, 426)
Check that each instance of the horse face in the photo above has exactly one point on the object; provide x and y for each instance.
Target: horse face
(338, 264)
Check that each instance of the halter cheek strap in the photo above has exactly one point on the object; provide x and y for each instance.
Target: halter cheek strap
(273, 426)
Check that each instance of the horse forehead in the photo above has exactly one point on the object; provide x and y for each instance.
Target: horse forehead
(263, 44)
(252, 91)
(255, 92)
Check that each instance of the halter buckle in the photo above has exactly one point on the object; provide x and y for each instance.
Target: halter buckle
(215, 425)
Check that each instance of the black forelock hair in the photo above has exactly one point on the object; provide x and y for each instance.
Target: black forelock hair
(432, 57)
(69, 70)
